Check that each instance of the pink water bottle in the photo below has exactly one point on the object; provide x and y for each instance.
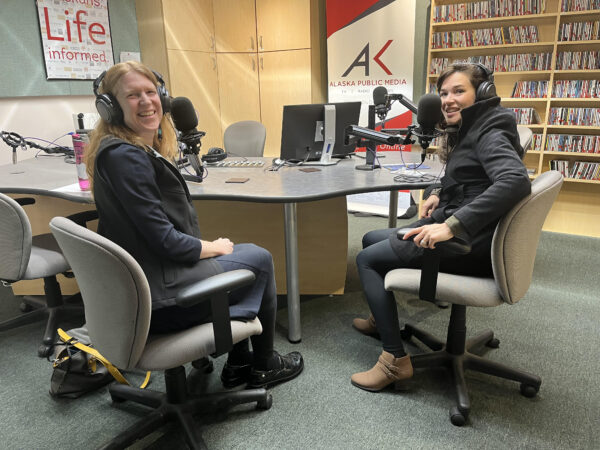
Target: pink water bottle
(80, 142)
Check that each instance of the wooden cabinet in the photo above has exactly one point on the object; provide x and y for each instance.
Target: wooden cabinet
(577, 209)
(238, 87)
(285, 79)
(189, 25)
(235, 25)
(282, 24)
(237, 59)
(202, 88)
(261, 25)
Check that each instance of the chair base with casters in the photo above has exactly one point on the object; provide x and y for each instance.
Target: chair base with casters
(51, 307)
(455, 354)
(179, 405)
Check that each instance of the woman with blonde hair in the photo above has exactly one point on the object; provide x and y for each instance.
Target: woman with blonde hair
(144, 206)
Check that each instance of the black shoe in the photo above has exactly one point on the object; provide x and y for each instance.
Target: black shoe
(233, 375)
(290, 367)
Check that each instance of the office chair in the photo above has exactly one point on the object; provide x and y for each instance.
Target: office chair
(118, 308)
(245, 138)
(525, 137)
(27, 257)
(513, 254)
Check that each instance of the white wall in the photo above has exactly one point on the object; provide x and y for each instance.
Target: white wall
(41, 117)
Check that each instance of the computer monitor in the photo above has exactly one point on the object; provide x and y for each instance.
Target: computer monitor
(306, 131)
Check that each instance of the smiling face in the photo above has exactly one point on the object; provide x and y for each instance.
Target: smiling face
(140, 102)
(456, 93)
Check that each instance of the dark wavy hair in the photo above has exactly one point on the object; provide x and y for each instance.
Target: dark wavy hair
(476, 77)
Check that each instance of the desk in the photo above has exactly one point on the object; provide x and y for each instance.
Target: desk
(288, 186)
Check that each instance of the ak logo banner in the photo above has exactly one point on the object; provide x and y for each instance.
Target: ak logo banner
(370, 43)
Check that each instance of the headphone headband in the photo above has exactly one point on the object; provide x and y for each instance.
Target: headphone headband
(108, 107)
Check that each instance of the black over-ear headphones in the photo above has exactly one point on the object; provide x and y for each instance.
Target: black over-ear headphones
(487, 88)
(109, 109)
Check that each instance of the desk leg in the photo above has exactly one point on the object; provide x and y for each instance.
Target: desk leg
(291, 272)
(393, 213)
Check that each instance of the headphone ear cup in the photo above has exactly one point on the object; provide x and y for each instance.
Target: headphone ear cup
(109, 109)
(485, 91)
(165, 99)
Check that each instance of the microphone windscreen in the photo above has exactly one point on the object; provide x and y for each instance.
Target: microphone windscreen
(379, 94)
(183, 114)
(429, 111)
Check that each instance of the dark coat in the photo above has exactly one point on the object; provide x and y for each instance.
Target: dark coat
(484, 179)
(145, 207)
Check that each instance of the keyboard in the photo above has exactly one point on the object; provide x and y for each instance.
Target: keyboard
(238, 163)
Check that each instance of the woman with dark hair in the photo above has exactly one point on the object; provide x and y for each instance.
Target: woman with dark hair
(145, 207)
(484, 178)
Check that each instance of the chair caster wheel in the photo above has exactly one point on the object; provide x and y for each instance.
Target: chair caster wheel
(457, 418)
(204, 365)
(265, 403)
(44, 350)
(25, 307)
(493, 343)
(405, 335)
(528, 390)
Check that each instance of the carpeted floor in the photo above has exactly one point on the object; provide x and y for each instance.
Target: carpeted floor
(552, 332)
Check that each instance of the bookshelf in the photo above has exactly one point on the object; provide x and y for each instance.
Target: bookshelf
(537, 47)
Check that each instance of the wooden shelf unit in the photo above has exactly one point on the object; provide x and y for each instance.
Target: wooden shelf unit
(577, 209)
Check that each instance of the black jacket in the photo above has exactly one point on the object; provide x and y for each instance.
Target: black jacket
(145, 207)
(484, 179)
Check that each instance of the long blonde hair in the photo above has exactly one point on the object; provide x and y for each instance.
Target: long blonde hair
(165, 139)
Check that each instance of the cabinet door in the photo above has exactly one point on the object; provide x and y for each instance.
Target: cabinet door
(284, 80)
(283, 24)
(238, 87)
(194, 75)
(189, 25)
(235, 25)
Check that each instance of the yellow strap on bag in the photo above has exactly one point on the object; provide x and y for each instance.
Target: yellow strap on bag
(92, 351)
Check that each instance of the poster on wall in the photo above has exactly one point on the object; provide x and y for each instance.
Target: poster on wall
(370, 43)
(76, 38)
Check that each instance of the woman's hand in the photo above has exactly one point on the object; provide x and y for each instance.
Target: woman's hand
(429, 206)
(218, 247)
(428, 235)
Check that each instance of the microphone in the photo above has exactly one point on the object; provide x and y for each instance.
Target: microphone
(429, 115)
(382, 106)
(406, 102)
(185, 120)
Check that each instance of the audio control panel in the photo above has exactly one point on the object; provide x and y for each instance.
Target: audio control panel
(239, 163)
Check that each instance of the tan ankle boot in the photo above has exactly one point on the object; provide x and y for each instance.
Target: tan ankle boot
(388, 370)
(366, 326)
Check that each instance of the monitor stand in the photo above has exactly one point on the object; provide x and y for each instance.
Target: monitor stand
(328, 139)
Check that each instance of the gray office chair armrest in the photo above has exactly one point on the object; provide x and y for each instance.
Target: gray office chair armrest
(216, 288)
(431, 262)
(221, 283)
(452, 247)
(82, 218)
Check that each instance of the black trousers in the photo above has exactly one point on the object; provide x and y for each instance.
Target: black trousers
(378, 257)
(375, 260)
(257, 300)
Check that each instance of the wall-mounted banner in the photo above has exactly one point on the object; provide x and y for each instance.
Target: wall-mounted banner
(370, 43)
(76, 38)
